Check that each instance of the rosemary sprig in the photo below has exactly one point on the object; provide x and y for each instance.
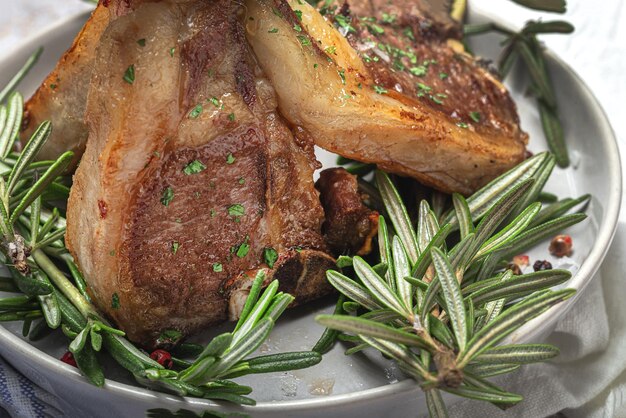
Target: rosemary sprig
(436, 301)
(525, 45)
(31, 246)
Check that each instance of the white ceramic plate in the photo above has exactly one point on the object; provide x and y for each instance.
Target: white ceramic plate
(361, 385)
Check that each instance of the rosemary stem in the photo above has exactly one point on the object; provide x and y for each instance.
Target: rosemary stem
(64, 285)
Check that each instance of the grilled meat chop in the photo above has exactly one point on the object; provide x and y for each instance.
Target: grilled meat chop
(387, 87)
(190, 180)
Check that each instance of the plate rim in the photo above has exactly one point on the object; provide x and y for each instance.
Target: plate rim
(580, 280)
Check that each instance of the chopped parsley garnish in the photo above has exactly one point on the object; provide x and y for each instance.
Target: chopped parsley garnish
(475, 116)
(195, 112)
(53, 86)
(172, 50)
(298, 14)
(194, 167)
(236, 210)
(129, 75)
(436, 100)
(112, 253)
(115, 301)
(217, 267)
(443, 75)
(380, 90)
(424, 87)
(342, 75)
(175, 247)
(343, 22)
(230, 159)
(419, 71)
(315, 65)
(387, 18)
(212, 213)
(304, 40)
(375, 29)
(297, 28)
(397, 64)
(408, 32)
(141, 42)
(243, 249)
(461, 125)
(331, 49)
(242, 180)
(167, 196)
(214, 101)
(273, 30)
(169, 336)
(231, 117)
(270, 256)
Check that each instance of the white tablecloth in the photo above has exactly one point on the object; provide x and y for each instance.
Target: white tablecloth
(589, 378)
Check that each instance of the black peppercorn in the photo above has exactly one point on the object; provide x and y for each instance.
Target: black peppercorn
(542, 265)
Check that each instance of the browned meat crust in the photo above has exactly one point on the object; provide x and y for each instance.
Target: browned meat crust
(350, 225)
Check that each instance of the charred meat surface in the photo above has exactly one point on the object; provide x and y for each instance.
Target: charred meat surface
(389, 88)
(191, 182)
(350, 225)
